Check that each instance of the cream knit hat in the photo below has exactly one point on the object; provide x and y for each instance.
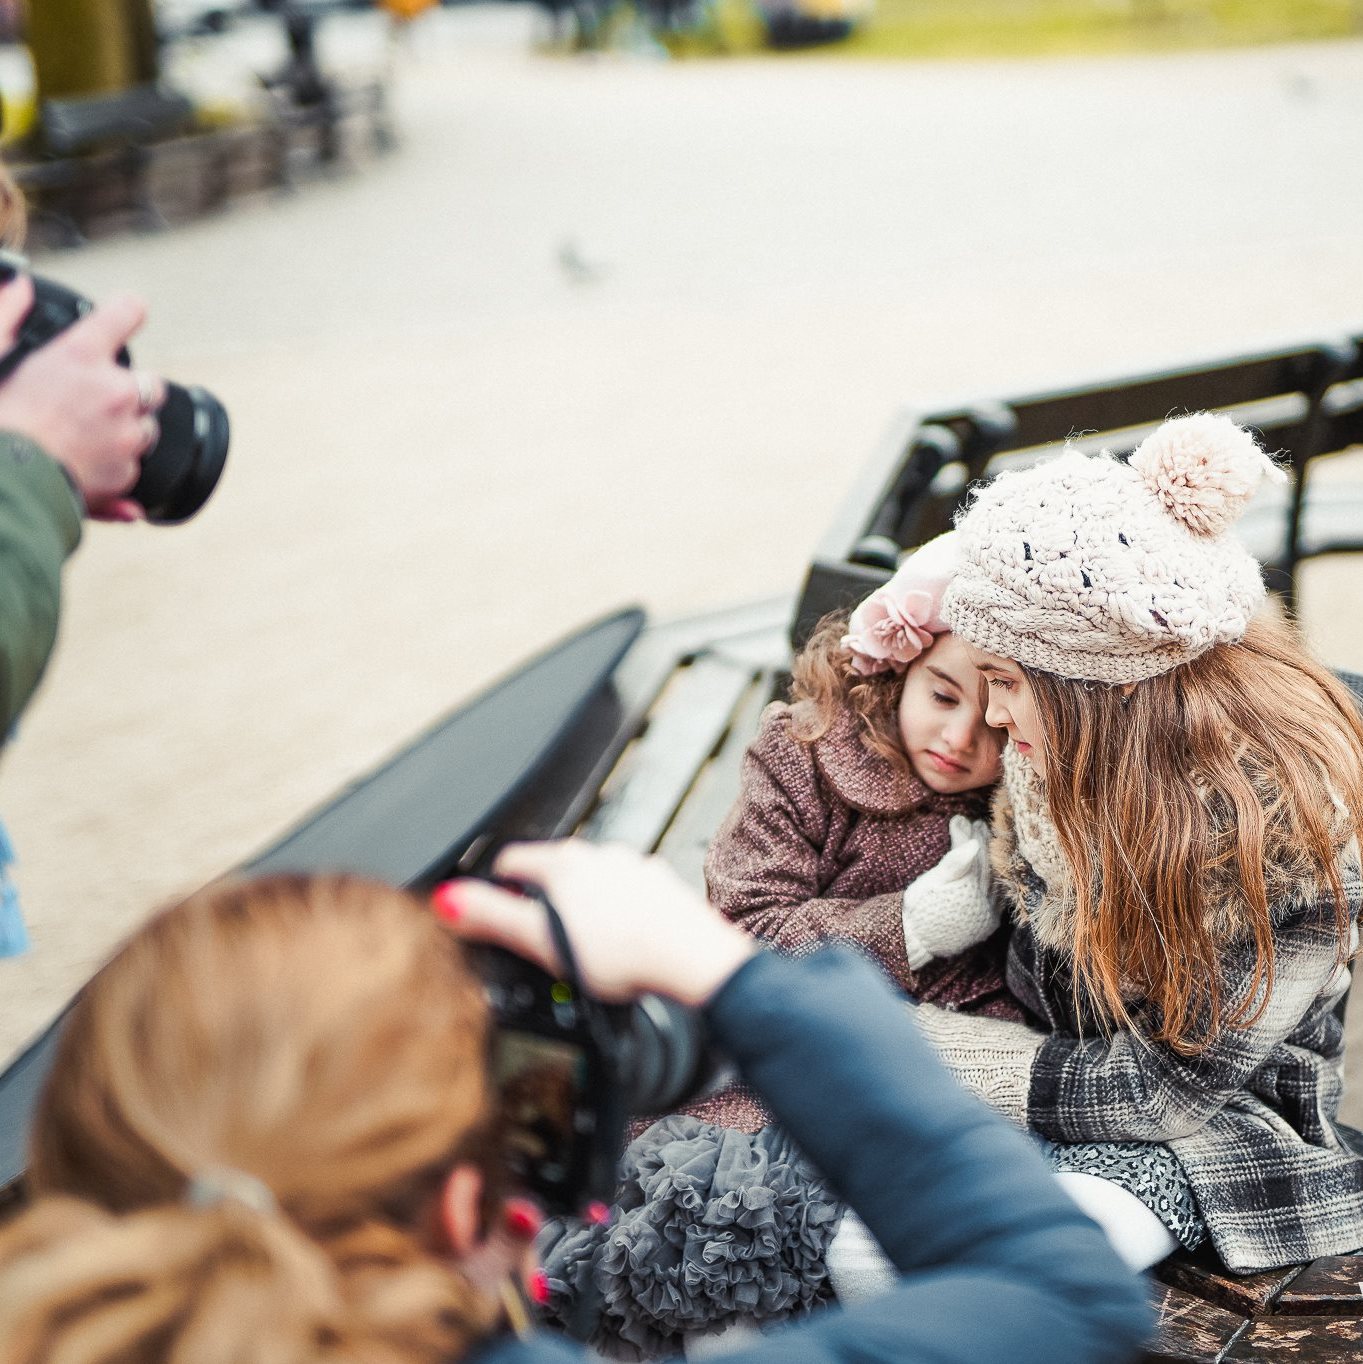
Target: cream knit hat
(1109, 572)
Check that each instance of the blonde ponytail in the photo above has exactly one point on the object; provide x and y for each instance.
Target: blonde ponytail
(348, 1090)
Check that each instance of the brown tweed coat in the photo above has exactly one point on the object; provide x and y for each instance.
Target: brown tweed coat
(820, 844)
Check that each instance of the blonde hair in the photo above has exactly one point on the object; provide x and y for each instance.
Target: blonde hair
(823, 677)
(323, 1035)
(13, 211)
(1186, 808)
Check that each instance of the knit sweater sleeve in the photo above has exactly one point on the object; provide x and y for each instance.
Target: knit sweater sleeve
(762, 870)
(1125, 1087)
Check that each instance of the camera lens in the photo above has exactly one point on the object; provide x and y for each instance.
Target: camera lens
(663, 1055)
(181, 470)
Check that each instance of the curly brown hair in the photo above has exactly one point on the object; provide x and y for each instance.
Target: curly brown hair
(823, 675)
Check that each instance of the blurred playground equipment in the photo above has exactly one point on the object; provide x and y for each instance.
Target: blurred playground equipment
(104, 126)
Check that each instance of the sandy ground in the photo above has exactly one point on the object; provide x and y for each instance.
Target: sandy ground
(450, 447)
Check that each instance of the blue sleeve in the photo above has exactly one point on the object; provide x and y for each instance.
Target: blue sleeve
(999, 1267)
(998, 1263)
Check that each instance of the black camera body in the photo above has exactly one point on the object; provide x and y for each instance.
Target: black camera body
(181, 470)
(571, 1071)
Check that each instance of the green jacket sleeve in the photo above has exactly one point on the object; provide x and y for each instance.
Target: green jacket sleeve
(40, 524)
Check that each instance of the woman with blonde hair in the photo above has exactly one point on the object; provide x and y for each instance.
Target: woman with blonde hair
(270, 1135)
(1176, 845)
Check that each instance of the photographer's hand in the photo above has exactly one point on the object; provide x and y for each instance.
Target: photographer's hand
(634, 925)
(71, 397)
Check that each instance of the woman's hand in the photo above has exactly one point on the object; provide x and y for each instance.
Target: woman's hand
(634, 925)
(73, 398)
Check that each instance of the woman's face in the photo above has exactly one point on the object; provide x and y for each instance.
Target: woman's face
(941, 721)
(1012, 705)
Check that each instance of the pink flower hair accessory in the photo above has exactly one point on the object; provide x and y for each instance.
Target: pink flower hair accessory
(898, 621)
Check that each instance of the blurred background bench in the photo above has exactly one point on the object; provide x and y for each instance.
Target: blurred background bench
(114, 145)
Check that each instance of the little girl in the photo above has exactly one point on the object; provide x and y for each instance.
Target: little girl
(873, 778)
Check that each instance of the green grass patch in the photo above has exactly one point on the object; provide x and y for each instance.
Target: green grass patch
(897, 29)
(997, 28)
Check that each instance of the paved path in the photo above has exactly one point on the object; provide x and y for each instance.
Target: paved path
(450, 449)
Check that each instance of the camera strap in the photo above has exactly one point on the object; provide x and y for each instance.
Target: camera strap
(563, 949)
(572, 977)
(582, 1314)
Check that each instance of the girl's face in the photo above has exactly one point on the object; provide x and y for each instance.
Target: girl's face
(942, 723)
(1012, 706)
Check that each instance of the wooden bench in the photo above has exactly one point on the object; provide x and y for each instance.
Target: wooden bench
(1310, 1313)
(90, 156)
(642, 740)
(1305, 401)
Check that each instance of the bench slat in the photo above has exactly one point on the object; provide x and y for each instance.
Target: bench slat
(655, 774)
(1247, 1294)
(715, 789)
(1299, 1340)
(1188, 1330)
(1333, 1283)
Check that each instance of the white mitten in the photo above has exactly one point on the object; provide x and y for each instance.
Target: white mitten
(948, 909)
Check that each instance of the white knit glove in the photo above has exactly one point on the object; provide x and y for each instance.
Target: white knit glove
(948, 909)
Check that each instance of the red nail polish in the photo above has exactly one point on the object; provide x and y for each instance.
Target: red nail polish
(522, 1218)
(539, 1288)
(446, 901)
(598, 1214)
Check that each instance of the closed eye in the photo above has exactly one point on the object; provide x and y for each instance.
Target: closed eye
(1002, 683)
(943, 699)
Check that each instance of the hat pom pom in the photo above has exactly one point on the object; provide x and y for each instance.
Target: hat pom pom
(1203, 469)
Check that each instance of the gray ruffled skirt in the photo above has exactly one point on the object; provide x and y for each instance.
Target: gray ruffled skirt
(711, 1226)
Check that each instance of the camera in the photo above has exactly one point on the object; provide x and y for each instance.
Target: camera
(181, 470)
(571, 1071)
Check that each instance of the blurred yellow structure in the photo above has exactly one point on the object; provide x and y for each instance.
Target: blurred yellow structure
(18, 92)
(91, 47)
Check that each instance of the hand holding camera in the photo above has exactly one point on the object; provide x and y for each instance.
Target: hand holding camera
(609, 1029)
(633, 923)
(72, 398)
(136, 446)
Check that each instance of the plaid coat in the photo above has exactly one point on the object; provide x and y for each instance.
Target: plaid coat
(1251, 1118)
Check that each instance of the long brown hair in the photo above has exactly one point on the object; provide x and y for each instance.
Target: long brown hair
(823, 676)
(1187, 809)
(322, 1035)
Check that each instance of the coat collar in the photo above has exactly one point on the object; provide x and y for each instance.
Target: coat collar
(869, 783)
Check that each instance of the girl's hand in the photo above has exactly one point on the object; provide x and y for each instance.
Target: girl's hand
(634, 925)
(949, 907)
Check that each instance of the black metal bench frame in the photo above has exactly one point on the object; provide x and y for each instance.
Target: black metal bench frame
(1304, 400)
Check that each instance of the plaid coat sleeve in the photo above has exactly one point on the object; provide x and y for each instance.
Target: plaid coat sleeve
(1122, 1087)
